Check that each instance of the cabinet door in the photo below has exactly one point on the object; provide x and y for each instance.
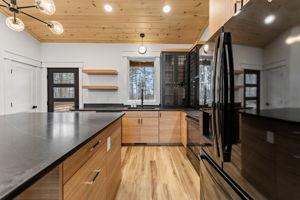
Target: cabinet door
(168, 79)
(169, 127)
(183, 129)
(130, 130)
(180, 80)
(149, 130)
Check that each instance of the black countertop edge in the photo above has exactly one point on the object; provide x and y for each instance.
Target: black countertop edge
(122, 109)
(290, 115)
(40, 174)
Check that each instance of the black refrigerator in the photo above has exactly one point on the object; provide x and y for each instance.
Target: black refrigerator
(217, 145)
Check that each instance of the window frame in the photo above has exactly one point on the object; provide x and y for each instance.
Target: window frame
(155, 78)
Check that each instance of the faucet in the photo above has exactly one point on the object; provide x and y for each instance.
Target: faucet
(142, 98)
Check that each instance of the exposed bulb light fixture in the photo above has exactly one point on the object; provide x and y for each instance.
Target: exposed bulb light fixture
(15, 24)
(167, 8)
(56, 27)
(269, 19)
(142, 49)
(45, 6)
(108, 8)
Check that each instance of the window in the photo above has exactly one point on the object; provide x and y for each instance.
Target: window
(251, 90)
(141, 76)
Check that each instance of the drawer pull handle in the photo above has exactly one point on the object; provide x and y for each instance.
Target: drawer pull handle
(296, 156)
(98, 171)
(296, 132)
(95, 145)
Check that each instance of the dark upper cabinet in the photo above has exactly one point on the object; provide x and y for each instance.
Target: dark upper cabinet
(194, 77)
(174, 79)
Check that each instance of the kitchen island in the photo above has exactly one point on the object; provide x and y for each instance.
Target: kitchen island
(42, 152)
(271, 151)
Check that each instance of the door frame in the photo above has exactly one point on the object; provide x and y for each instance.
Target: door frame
(51, 85)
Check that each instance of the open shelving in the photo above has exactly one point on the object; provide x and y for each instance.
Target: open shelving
(100, 87)
(100, 71)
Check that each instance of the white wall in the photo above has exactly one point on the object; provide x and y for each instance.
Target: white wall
(279, 54)
(18, 46)
(101, 56)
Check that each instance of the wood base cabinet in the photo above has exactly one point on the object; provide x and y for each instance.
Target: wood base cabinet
(169, 127)
(151, 127)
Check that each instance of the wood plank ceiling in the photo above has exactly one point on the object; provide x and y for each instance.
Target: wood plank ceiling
(86, 21)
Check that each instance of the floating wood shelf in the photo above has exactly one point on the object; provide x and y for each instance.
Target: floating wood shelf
(100, 71)
(100, 87)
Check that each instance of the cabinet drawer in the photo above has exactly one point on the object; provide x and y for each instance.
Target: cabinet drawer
(288, 144)
(75, 161)
(291, 130)
(149, 114)
(134, 114)
(89, 179)
(169, 114)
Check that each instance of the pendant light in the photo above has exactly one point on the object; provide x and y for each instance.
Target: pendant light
(45, 6)
(142, 49)
(15, 24)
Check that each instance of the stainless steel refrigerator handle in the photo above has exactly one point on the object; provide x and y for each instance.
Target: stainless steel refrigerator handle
(239, 191)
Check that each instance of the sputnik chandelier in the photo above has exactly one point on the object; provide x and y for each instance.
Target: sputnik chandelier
(45, 6)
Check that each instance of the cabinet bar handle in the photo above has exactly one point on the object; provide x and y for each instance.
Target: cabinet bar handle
(296, 156)
(296, 132)
(138, 121)
(95, 145)
(159, 115)
(98, 171)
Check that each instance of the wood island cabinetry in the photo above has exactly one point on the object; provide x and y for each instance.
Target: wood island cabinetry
(93, 172)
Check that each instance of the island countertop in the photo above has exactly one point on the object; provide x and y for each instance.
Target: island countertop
(32, 144)
(282, 114)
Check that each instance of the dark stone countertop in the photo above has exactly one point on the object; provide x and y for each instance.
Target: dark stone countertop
(32, 144)
(127, 108)
(283, 114)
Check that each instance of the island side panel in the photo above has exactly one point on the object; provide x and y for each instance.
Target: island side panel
(47, 188)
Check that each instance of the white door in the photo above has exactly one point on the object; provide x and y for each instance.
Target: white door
(275, 87)
(21, 86)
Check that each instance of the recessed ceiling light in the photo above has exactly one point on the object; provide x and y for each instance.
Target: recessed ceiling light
(293, 39)
(108, 8)
(167, 8)
(270, 19)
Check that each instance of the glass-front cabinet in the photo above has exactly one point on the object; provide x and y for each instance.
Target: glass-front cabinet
(174, 81)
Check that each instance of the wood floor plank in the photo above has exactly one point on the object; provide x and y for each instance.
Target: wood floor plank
(157, 173)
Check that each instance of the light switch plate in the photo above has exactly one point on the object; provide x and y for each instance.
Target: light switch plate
(270, 137)
(108, 142)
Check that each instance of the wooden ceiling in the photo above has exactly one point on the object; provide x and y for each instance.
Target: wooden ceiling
(86, 21)
(248, 28)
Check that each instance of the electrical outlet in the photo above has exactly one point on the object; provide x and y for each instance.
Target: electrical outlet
(108, 142)
(270, 137)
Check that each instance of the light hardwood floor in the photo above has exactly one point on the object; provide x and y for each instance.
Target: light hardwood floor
(157, 173)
